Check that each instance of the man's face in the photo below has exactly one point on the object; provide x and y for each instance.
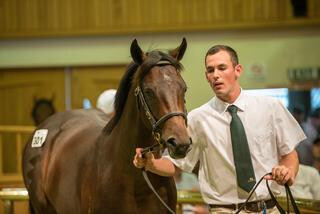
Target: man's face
(222, 75)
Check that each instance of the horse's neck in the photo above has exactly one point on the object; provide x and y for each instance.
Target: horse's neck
(130, 132)
(132, 126)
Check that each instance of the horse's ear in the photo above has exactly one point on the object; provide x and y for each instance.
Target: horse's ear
(179, 51)
(136, 53)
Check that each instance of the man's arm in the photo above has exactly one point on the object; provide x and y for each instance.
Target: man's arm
(287, 169)
(162, 166)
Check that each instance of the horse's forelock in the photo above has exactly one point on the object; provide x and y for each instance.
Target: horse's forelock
(152, 59)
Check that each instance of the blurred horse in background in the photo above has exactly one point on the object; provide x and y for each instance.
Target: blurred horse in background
(42, 109)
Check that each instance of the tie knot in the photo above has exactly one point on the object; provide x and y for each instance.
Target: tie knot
(233, 109)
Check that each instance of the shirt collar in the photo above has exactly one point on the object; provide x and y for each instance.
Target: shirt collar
(222, 106)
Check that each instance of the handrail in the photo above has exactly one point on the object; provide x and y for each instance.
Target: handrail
(14, 128)
(14, 194)
(9, 195)
(18, 131)
(306, 206)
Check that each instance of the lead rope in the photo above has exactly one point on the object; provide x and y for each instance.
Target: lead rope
(281, 210)
(145, 176)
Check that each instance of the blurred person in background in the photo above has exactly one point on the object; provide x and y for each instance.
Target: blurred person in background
(304, 148)
(105, 101)
(312, 126)
(311, 129)
(316, 153)
(299, 115)
(307, 184)
(189, 182)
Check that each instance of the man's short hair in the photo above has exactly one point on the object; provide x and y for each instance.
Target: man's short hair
(233, 54)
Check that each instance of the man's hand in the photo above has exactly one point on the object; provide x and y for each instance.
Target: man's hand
(282, 175)
(146, 161)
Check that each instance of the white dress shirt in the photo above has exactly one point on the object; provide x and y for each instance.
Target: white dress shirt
(271, 132)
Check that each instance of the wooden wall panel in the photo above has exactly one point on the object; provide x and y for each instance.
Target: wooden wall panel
(90, 82)
(103, 17)
(19, 88)
(314, 8)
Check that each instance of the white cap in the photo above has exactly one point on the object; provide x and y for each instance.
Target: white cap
(105, 101)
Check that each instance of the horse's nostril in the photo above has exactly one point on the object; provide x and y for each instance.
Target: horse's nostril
(172, 142)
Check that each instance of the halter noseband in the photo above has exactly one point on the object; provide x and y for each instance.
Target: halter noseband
(156, 131)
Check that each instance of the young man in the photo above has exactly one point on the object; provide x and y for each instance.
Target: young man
(237, 139)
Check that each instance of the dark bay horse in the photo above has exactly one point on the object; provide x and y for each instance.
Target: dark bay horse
(85, 166)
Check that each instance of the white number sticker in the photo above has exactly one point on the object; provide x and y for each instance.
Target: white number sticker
(39, 137)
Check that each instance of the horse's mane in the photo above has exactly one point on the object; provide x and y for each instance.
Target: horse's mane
(130, 77)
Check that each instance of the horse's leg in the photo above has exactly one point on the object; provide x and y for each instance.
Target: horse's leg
(31, 209)
(40, 208)
(38, 201)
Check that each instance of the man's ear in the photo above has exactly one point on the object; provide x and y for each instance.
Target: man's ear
(179, 51)
(238, 70)
(136, 53)
(206, 74)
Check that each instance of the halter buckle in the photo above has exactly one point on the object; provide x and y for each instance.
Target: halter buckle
(157, 137)
(148, 115)
(136, 91)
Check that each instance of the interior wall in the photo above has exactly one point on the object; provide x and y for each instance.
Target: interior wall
(271, 52)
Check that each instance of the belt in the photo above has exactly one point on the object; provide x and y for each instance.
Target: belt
(253, 206)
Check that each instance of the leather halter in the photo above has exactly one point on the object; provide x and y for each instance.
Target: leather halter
(156, 130)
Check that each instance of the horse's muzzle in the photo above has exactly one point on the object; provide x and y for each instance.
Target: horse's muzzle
(178, 150)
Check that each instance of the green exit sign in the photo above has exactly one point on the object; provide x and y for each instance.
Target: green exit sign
(303, 74)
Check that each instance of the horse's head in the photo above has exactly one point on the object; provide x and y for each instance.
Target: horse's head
(160, 92)
(42, 109)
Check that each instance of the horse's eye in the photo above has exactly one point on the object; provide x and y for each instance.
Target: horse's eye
(148, 93)
(185, 91)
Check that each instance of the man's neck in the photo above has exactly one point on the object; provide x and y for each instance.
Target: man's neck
(232, 97)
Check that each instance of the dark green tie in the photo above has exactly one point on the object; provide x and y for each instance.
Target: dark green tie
(241, 153)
